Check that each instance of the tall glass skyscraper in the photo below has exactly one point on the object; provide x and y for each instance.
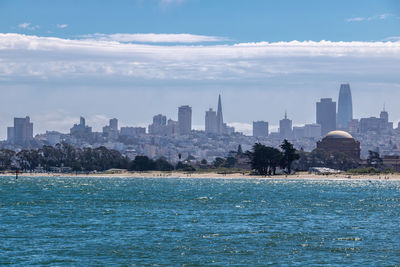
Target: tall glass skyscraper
(345, 107)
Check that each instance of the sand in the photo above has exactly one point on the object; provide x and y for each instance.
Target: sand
(209, 175)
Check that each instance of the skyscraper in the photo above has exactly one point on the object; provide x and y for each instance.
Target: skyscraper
(158, 126)
(211, 121)
(22, 132)
(260, 129)
(111, 130)
(220, 119)
(114, 124)
(81, 130)
(184, 120)
(345, 107)
(384, 115)
(326, 115)
(285, 127)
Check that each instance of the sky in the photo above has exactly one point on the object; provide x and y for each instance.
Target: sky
(133, 59)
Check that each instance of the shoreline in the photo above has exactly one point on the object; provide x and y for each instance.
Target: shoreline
(214, 175)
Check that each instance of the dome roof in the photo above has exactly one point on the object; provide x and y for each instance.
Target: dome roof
(338, 134)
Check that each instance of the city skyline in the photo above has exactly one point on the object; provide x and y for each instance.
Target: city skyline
(326, 118)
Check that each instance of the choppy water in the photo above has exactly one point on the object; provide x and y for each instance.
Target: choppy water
(103, 221)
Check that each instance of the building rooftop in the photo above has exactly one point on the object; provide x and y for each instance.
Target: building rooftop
(338, 134)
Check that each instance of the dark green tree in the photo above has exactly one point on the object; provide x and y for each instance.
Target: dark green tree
(264, 159)
(289, 155)
(184, 167)
(230, 162)
(239, 150)
(218, 162)
(162, 164)
(142, 163)
(6, 159)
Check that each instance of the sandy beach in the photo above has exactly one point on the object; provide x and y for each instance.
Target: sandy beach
(214, 175)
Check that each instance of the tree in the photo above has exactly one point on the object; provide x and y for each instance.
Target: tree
(203, 162)
(6, 159)
(28, 159)
(142, 163)
(218, 162)
(184, 167)
(264, 159)
(162, 164)
(230, 162)
(239, 150)
(322, 158)
(289, 155)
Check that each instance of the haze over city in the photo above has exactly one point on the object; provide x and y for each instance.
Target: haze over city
(141, 58)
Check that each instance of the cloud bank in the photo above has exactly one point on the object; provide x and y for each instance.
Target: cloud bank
(47, 58)
(154, 38)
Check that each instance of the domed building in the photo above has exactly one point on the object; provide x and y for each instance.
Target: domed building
(340, 141)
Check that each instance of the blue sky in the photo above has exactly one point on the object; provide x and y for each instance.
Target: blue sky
(133, 59)
(241, 21)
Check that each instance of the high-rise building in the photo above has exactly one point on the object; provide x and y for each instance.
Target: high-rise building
(172, 127)
(211, 122)
(307, 131)
(220, 118)
(159, 124)
(111, 131)
(345, 107)
(184, 120)
(384, 115)
(22, 132)
(114, 124)
(81, 130)
(260, 129)
(326, 115)
(285, 128)
(299, 132)
(160, 120)
(312, 130)
(378, 125)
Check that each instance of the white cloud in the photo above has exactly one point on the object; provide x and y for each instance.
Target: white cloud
(376, 17)
(154, 38)
(55, 58)
(28, 26)
(392, 39)
(62, 26)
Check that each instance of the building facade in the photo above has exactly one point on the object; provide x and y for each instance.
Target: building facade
(22, 131)
(340, 141)
(326, 115)
(285, 128)
(260, 129)
(345, 107)
(220, 117)
(184, 120)
(211, 122)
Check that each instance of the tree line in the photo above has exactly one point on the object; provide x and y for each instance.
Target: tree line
(81, 160)
(264, 160)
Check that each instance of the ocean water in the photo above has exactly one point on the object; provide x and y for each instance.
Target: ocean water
(248, 222)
